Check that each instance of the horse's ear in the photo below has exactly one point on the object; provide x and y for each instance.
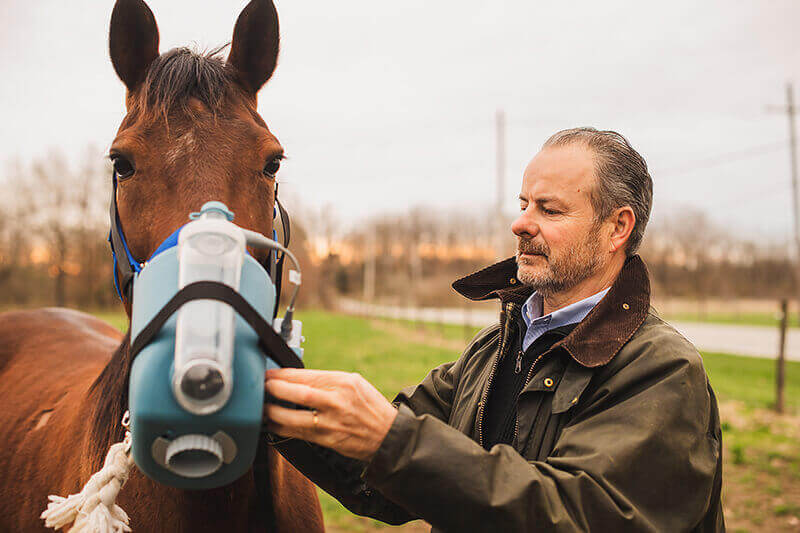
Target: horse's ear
(254, 50)
(132, 40)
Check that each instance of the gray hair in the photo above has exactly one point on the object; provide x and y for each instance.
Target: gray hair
(622, 176)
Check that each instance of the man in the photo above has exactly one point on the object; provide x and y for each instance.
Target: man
(582, 410)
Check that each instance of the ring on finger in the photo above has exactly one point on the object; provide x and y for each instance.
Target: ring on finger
(315, 417)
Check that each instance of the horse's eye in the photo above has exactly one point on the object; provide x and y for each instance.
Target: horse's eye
(272, 167)
(122, 166)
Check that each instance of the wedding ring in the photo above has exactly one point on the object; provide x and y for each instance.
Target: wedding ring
(315, 418)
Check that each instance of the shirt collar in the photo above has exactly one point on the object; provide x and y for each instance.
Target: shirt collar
(597, 339)
(532, 311)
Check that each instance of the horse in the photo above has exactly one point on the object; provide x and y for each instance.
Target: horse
(191, 133)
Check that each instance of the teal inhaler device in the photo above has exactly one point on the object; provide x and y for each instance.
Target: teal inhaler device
(196, 389)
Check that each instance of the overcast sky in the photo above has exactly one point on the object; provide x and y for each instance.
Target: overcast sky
(381, 105)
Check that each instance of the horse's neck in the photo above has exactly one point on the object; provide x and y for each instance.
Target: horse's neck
(107, 402)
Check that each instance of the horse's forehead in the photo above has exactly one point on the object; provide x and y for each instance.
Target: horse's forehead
(182, 146)
(196, 130)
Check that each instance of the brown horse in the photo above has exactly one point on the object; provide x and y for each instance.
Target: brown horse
(191, 134)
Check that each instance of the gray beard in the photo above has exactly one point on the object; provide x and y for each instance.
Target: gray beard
(564, 272)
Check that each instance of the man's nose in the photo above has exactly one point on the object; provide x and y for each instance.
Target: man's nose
(524, 226)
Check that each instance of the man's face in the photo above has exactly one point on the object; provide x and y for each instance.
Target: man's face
(559, 242)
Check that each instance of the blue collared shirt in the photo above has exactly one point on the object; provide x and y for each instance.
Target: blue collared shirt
(537, 324)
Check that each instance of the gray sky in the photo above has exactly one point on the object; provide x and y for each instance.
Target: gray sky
(381, 105)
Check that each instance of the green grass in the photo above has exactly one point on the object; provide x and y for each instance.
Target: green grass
(388, 361)
(115, 318)
(752, 380)
(447, 332)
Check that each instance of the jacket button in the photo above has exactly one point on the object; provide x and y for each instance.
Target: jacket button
(626, 306)
(548, 382)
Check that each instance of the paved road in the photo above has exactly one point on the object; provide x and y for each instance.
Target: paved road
(753, 341)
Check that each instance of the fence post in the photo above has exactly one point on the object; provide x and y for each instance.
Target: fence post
(781, 361)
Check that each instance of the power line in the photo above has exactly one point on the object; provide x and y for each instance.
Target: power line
(726, 158)
(766, 190)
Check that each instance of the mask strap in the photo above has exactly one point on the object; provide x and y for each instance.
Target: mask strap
(271, 343)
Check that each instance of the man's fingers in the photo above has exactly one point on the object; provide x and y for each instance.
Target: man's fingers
(295, 418)
(298, 393)
(291, 422)
(307, 376)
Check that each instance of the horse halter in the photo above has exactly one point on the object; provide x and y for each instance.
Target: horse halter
(126, 271)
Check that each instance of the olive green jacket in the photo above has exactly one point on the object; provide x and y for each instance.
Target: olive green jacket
(617, 430)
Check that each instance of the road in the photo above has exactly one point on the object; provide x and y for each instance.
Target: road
(753, 341)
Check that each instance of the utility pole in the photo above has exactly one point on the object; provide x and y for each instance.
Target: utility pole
(791, 110)
(500, 170)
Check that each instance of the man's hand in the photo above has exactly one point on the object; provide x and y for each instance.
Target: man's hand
(348, 414)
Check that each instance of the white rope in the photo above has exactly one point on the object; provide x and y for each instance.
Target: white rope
(93, 509)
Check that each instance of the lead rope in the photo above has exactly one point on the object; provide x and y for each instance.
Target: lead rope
(93, 509)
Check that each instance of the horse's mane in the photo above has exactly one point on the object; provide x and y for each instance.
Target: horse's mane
(110, 390)
(181, 74)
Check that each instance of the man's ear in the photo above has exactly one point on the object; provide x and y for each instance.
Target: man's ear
(624, 220)
(254, 49)
(133, 41)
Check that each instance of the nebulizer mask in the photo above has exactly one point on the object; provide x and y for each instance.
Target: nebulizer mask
(201, 340)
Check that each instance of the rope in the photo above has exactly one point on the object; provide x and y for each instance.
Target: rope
(93, 509)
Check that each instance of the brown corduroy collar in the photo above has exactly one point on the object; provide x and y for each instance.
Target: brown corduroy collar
(598, 337)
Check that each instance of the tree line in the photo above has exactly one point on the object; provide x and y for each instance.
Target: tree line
(54, 250)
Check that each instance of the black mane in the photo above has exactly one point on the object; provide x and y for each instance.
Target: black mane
(181, 74)
(111, 392)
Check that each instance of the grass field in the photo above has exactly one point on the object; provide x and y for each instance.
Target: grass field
(762, 450)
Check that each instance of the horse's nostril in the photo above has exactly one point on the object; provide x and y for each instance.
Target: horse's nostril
(202, 382)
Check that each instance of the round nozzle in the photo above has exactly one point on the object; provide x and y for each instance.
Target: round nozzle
(201, 386)
(202, 382)
(194, 456)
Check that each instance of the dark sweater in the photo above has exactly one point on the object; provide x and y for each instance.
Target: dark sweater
(510, 378)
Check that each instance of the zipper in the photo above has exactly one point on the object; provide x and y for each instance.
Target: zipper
(518, 366)
(527, 380)
(504, 334)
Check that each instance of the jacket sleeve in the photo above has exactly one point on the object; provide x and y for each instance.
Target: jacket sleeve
(341, 476)
(636, 455)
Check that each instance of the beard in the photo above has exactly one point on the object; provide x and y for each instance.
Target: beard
(549, 273)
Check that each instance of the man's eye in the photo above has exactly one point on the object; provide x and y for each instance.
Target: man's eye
(549, 211)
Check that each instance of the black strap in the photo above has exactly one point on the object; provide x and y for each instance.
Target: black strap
(271, 343)
(124, 272)
(277, 277)
(287, 233)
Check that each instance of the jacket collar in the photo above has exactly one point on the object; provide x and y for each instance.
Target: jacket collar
(598, 337)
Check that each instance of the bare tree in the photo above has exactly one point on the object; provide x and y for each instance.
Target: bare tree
(63, 210)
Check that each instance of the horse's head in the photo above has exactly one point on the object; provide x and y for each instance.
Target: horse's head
(192, 132)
